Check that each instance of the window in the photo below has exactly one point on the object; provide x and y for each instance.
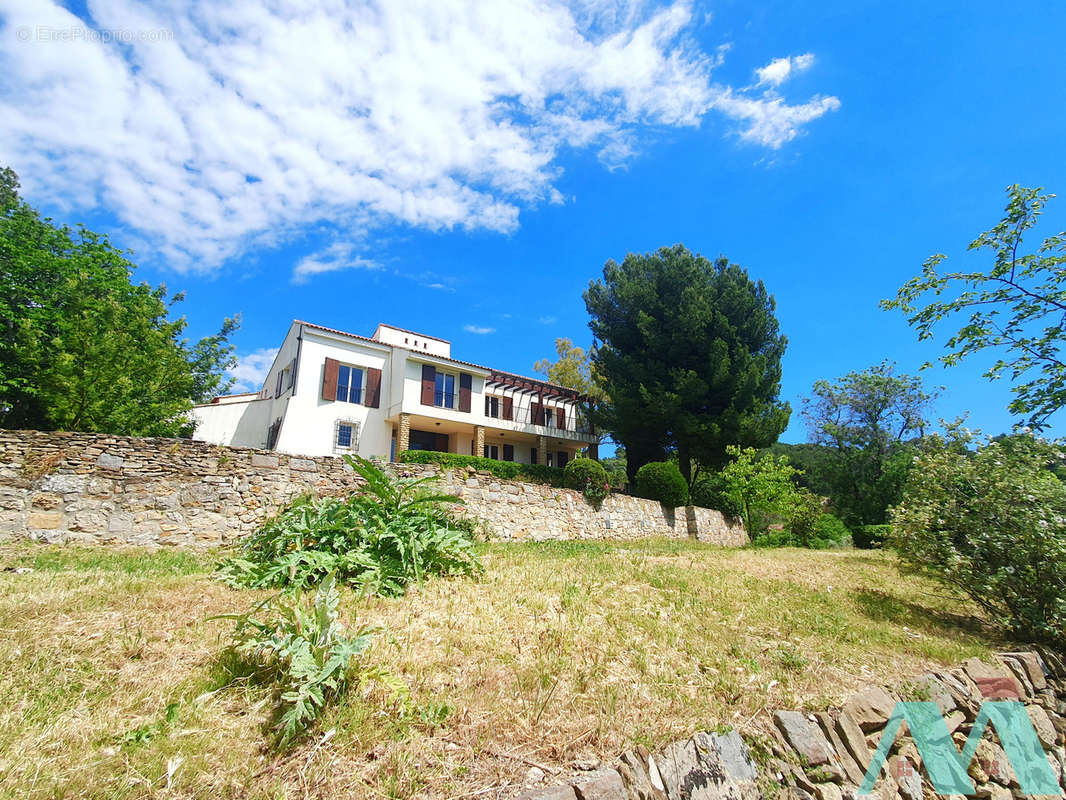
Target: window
(349, 384)
(561, 457)
(444, 392)
(550, 460)
(492, 407)
(549, 417)
(508, 452)
(492, 451)
(532, 455)
(346, 435)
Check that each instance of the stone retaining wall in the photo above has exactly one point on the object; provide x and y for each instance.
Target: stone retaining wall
(82, 487)
(825, 755)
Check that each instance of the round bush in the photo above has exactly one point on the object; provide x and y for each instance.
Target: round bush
(662, 481)
(582, 470)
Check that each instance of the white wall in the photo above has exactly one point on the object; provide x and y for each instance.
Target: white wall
(417, 342)
(310, 422)
(237, 424)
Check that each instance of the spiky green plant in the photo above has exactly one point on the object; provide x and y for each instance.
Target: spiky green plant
(394, 531)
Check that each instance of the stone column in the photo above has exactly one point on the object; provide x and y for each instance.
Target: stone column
(542, 449)
(403, 438)
(479, 440)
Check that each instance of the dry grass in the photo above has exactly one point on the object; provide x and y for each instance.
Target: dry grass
(562, 653)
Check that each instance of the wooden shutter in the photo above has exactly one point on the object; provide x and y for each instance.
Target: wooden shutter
(534, 414)
(429, 384)
(508, 408)
(465, 384)
(329, 379)
(442, 443)
(560, 418)
(508, 452)
(372, 395)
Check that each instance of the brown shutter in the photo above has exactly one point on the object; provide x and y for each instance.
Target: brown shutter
(560, 418)
(442, 443)
(534, 414)
(329, 379)
(429, 384)
(465, 384)
(508, 408)
(372, 395)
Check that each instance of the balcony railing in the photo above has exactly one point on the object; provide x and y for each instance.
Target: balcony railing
(527, 410)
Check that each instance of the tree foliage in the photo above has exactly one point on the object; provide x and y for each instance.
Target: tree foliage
(573, 369)
(991, 523)
(1017, 307)
(81, 347)
(757, 485)
(690, 356)
(864, 423)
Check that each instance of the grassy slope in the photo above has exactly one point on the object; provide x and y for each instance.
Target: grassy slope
(562, 652)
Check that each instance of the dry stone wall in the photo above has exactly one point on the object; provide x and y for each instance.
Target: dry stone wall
(825, 755)
(94, 488)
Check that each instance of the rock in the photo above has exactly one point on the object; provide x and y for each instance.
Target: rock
(600, 784)
(45, 520)
(852, 771)
(907, 777)
(852, 736)
(731, 753)
(1042, 724)
(805, 738)
(994, 682)
(562, 792)
(870, 708)
(634, 769)
(264, 460)
(302, 465)
(991, 791)
(692, 771)
(936, 692)
(534, 775)
(109, 461)
(990, 764)
(827, 791)
(954, 720)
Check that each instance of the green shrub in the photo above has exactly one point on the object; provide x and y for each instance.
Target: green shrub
(829, 531)
(582, 470)
(393, 532)
(992, 524)
(870, 536)
(708, 491)
(662, 481)
(508, 470)
(306, 653)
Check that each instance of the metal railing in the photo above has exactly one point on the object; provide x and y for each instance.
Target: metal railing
(524, 411)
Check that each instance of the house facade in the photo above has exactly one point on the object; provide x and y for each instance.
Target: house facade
(329, 393)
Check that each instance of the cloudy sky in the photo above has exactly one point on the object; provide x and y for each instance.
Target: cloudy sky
(465, 168)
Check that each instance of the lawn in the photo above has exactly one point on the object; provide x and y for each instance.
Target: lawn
(563, 654)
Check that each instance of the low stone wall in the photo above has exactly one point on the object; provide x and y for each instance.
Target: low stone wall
(825, 755)
(82, 487)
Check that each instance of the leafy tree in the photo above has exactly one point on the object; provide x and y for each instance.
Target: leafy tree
(573, 369)
(689, 355)
(81, 347)
(991, 523)
(865, 422)
(757, 485)
(1017, 307)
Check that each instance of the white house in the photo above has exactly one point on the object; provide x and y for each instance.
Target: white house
(330, 392)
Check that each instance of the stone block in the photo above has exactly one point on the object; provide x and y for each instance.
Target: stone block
(1034, 670)
(1042, 724)
(935, 692)
(264, 460)
(805, 738)
(562, 792)
(45, 520)
(600, 784)
(302, 465)
(870, 708)
(110, 461)
(63, 484)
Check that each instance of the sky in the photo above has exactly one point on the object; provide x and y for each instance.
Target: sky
(466, 168)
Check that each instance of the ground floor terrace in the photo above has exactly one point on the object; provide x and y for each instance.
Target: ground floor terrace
(508, 442)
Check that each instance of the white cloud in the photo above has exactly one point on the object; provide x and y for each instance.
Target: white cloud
(254, 124)
(338, 256)
(480, 331)
(548, 320)
(781, 69)
(252, 369)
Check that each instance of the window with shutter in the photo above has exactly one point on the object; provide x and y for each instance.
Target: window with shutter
(508, 408)
(372, 396)
(466, 383)
(429, 384)
(329, 379)
(560, 418)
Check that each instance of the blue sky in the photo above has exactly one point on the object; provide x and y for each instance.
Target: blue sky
(467, 169)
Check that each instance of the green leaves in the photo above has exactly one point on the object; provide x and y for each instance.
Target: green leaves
(1017, 307)
(991, 523)
(308, 654)
(394, 532)
(690, 356)
(81, 346)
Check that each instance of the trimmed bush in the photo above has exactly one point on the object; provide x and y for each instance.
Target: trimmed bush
(662, 481)
(870, 536)
(580, 471)
(508, 470)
